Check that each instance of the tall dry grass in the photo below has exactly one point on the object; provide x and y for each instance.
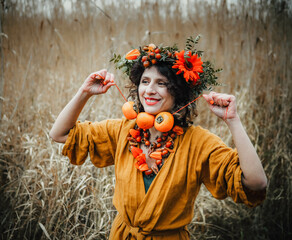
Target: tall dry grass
(47, 58)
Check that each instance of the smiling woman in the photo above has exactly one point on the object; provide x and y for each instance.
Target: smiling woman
(160, 158)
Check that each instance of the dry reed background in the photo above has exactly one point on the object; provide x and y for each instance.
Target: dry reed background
(45, 60)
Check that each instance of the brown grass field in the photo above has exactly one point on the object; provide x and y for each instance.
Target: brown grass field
(46, 56)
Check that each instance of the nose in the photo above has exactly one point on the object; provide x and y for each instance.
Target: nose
(150, 89)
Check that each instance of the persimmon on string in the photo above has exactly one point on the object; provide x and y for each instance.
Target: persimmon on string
(145, 120)
(164, 122)
(129, 110)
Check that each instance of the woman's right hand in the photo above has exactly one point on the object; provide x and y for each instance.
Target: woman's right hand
(98, 82)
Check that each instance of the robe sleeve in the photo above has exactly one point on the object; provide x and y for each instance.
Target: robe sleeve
(99, 139)
(222, 175)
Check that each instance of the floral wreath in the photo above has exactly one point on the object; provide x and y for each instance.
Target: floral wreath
(198, 74)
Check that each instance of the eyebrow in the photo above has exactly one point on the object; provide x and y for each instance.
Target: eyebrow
(157, 79)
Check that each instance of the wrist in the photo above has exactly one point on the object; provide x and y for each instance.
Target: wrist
(84, 94)
(231, 122)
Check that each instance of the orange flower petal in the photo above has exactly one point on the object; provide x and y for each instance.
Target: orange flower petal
(143, 167)
(133, 54)
(141, 158)
(136, 151)
(178, 130)
(189, 69)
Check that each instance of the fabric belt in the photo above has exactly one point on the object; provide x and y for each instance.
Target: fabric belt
(138, 234)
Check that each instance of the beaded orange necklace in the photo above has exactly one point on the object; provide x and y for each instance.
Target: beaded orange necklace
(160, 149)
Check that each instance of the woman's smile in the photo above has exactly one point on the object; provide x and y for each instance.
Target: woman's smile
(153, 92)
(151, 101)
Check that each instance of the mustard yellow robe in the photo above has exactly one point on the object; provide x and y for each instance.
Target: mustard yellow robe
(167, 208)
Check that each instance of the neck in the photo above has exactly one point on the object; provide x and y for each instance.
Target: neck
(154, 133)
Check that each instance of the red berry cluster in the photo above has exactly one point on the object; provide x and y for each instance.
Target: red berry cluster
(153, 54)
(164, 143)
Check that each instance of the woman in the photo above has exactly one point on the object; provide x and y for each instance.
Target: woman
(155, 194)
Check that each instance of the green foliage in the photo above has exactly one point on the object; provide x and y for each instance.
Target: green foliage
(208, 78)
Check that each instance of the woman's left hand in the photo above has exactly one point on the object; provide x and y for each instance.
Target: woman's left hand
(222, 105)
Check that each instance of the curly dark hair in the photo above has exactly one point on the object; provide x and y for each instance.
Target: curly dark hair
(177, 87)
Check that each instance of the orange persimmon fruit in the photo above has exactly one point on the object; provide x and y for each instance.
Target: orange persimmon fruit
(128, 110)
(133, 54)
(145, 120)
(164, 122)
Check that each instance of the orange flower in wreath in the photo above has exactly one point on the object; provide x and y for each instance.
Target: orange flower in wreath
(133, 54)
(190, 66)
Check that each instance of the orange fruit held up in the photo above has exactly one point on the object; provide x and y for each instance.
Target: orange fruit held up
(164, 122)
(128, 110)
(133, 54)
(145, 120)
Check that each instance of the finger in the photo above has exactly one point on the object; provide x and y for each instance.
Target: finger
(101, 74)
(98, 74)
(225, 102)
(212, 94)
(108, 78)
(208, 98)
(221, 100)
(108, 85)
(232, 101)
(112, 78)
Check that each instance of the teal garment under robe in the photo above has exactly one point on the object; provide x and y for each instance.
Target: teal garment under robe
(147, 181)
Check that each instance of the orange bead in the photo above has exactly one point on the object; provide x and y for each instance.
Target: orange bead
(128, 110)
(164, 122)
(145, 120)
(148, 172)
(158, 162)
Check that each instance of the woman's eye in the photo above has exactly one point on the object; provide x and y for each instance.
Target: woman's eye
(162, 83)
(144, 81)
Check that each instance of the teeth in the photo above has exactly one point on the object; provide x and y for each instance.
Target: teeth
(148, 100)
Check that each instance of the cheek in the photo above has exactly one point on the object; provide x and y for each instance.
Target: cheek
(140, 92)
(171, 102)
(169, 97)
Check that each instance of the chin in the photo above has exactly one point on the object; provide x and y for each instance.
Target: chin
(151, 111)
(154, 111)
